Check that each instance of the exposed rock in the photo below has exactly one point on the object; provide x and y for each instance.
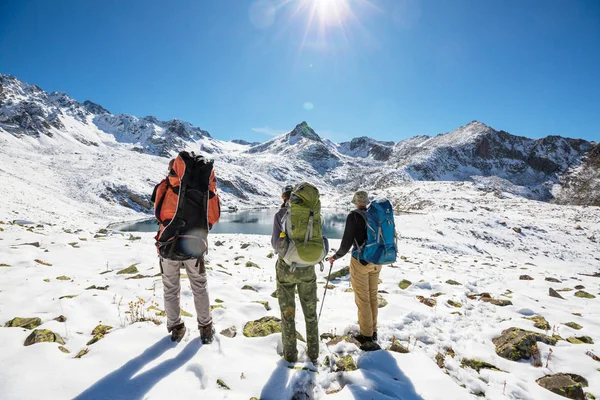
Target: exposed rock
(397, 347)
(248, 287)
(539, 322)
(550, 279)
(103, 329)
(42, 262)
(274, 294)
(250, 264)
(345, 364)
(94, 287)
(566, 385)
(265, 326)
(580, 340)
(427, 301)
(584, 295)
(439, 359)
(64, 349)
(219, 243)
(229, 332)
(516, 344)
(477, 365)
(61, 318)
(404, 284)
(68, 296)
(43, 335)
(222, 384)
(525, 278)
(245, 245)
(579, 287)
(340, 273)
(338, 339)
(138, 276)
(265, 304)
(554, 293)
(381, 302)
(82, 353)
(454, 303)
(574, 325)
(132, 269)
(487, 298)
(213, 307)
(517, 229)
(26, 323)
(63, 278)
(453, 282)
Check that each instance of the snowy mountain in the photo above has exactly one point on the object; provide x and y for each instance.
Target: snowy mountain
(113, 160)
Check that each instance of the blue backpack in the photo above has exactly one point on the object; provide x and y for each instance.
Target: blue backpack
(380, 247)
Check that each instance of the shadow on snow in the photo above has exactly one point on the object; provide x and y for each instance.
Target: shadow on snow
(121, 384)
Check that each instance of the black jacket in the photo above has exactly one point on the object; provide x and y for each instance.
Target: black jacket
(354, 233)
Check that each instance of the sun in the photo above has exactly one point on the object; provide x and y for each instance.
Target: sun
(330, 12)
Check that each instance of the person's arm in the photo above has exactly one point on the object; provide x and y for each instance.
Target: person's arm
(348, 238)
(276, 231)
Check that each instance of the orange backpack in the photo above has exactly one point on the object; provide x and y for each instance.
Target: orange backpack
(187, 206)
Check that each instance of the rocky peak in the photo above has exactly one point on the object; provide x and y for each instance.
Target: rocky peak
(302, 130)
(95, 108)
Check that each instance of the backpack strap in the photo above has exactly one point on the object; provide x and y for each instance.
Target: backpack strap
(309, 228)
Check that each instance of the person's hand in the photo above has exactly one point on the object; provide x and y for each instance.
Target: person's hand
(331, 260)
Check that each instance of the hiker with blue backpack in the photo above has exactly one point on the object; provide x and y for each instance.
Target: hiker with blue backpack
(370, 231)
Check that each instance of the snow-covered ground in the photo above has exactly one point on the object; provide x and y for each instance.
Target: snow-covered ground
(454, 231)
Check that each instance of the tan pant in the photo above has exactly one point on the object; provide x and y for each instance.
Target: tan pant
(365, 280)
(172, 289)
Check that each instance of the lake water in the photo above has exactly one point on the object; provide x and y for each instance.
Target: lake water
(254, 222)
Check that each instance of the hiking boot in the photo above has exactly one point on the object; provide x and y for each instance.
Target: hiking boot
(370, 346)
(207, 334)
(315, 361)
(362, 339)
(177, 332)
(375, 336)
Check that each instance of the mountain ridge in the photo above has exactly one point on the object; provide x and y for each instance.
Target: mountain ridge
(250, 172)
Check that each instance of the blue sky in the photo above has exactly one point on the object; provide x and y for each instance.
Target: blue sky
(389, 69)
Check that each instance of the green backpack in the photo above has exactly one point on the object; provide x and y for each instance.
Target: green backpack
(304, 244)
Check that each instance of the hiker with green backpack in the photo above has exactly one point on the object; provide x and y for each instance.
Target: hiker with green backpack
(299, 243)
(370, 231)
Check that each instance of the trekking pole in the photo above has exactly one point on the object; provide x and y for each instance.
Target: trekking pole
(327, 284)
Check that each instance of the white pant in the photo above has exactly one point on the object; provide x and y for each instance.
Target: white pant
(172, 289)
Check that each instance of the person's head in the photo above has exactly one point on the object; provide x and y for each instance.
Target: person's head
(286, 193)
(361, 199)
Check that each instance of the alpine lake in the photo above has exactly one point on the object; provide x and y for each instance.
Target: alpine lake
(253, 222)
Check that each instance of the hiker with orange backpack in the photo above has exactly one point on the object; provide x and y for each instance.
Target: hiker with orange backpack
(186, 205)
(370, 231)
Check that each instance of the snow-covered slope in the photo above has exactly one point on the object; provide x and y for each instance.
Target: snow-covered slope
(457, 243)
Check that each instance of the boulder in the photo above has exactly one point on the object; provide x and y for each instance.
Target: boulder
(584, 295)
(477, 365)
(43, 335)
(579, 287)
(574, 325)
(454, 303)
(539, 322)
(554, 293)
(381, 302)
(101, 329)
(516, 344)
(265, 326)
(250, 264)
(565, 385)
(345, 364)
(525, 278)
(580, 340)
(229, 332)
(132, 269)
(248, 287)
(550, 279)
(453, 282)
(397, 347)
(340, 273)
(61, 318)
(25, 323)
(404, 284)
(427, 301)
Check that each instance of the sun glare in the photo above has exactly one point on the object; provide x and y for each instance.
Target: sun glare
(330, 12)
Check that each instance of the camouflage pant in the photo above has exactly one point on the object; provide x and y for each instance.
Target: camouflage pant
(306, 281)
